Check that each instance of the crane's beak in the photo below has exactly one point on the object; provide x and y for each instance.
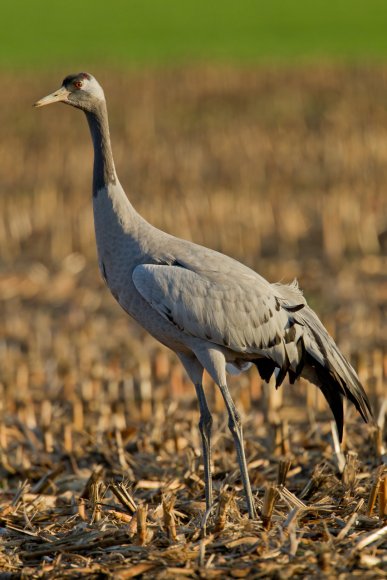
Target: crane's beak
(56, 97)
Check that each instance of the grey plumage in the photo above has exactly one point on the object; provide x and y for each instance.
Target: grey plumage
(213, 311)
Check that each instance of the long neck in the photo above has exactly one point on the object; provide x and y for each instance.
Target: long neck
(113, 211)
(104, 171)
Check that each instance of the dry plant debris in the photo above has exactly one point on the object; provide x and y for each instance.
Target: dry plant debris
(100, 467)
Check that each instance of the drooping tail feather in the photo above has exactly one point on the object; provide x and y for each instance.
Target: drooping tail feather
(319, 360)
(330, 371)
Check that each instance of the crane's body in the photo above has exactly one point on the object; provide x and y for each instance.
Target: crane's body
(125, 242)
(213, 311)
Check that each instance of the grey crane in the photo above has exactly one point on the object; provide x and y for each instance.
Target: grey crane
(214, 312)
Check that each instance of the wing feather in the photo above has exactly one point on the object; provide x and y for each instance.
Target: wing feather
(241, 313)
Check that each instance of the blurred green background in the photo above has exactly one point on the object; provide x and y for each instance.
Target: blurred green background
(135, 32)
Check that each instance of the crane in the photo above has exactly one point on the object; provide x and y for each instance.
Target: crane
(214, 312)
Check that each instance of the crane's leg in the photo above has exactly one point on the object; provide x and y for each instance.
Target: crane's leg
(195, 373)
(213, 360)
(235, 426)
(205, 424)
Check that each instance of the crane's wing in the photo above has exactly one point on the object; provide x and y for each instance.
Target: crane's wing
(244, 313)
(250, 316)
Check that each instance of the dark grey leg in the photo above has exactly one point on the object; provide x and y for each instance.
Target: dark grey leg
(235, 426)
(205, 425)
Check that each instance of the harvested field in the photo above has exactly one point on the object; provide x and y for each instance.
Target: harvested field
(100, 460)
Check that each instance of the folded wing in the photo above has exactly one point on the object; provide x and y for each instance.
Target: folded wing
(245, 314)
(268, 324)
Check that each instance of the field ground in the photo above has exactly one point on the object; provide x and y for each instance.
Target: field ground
(100, 464)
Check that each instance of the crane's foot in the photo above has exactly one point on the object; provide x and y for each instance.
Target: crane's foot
(206, 518)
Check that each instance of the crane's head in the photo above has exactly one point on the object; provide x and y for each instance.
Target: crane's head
(80, 90)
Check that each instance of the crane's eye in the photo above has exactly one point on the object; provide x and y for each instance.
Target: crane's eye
(77, 84)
